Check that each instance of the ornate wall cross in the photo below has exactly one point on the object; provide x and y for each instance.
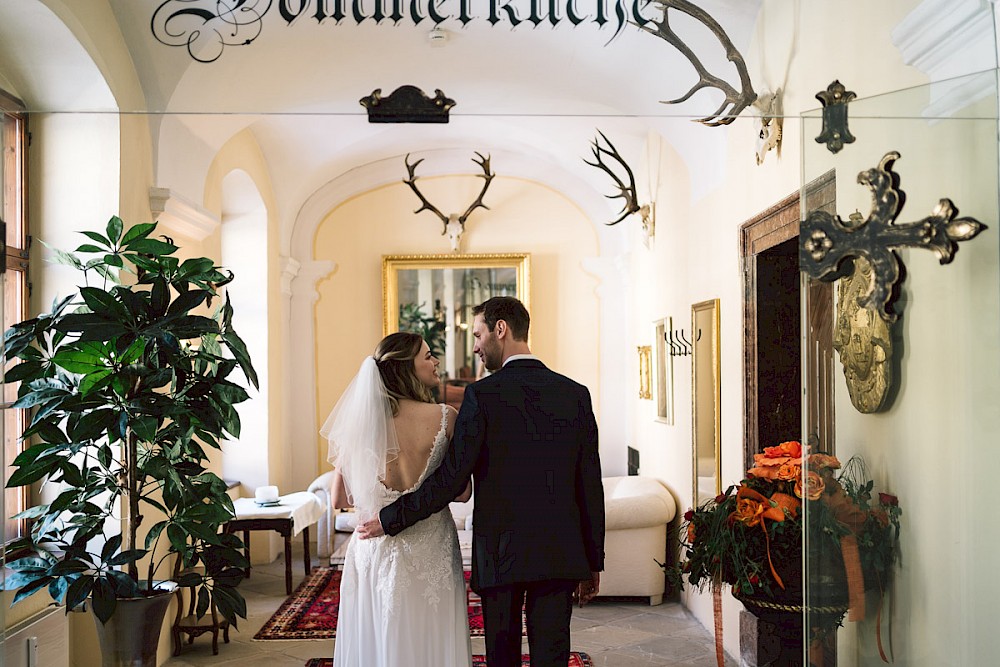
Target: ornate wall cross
(827, 244)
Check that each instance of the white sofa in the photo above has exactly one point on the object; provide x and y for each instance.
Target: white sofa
(637, 511)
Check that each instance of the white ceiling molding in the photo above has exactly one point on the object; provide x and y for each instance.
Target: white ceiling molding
(946, 39)
(180, 215)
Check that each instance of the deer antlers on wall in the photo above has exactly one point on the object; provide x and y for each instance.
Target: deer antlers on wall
(735, 101)
(454, 224)
(627, 192)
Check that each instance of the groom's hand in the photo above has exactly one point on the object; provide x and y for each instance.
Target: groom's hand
(369, 529)
(587, 589)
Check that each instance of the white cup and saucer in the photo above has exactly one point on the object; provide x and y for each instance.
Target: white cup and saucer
(267, 496)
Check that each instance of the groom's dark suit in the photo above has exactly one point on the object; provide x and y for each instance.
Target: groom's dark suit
(528, 438)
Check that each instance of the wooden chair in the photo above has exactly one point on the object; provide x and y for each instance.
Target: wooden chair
(193, 626)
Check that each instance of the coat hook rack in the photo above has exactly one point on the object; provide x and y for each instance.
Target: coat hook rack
(680, 346)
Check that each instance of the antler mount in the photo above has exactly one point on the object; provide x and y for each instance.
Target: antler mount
(454, 223)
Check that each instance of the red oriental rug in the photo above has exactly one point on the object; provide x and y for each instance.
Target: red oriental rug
(311, 610)
(575, 660)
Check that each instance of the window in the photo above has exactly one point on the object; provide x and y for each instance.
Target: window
(14, 279)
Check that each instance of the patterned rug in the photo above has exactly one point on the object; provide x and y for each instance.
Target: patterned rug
(575, 660)
(311, 610)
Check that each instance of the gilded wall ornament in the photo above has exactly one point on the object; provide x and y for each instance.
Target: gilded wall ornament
(863, 340)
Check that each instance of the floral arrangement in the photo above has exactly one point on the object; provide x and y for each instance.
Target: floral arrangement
(751, 536)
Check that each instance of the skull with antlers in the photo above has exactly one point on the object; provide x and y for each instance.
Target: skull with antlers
(626, 192)
(454, 224)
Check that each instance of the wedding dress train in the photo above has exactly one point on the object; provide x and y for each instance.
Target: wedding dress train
(402, 598)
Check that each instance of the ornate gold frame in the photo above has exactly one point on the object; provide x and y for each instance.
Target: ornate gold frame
(645, 371)
(391, 264)
(706, 342)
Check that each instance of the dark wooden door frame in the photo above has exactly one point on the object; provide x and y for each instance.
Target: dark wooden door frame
(767, 229)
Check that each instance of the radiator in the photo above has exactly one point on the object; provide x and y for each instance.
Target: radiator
(41, 641)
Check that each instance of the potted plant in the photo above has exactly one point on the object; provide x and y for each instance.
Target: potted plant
(128, 385)
(752, 538)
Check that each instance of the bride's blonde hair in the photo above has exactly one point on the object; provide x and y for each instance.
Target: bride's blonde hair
(395, 355)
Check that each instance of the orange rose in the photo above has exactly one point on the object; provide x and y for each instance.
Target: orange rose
(814, 486)
(791, 448)
(789, 472)
(748, 511)
(690, 533)
(824, 464)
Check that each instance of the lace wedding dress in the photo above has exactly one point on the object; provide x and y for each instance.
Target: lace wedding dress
(402, 597)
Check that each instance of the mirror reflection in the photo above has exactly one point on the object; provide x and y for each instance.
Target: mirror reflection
(706, 399)
(433, 295)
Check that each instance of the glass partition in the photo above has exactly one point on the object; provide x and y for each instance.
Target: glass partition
(915, 401)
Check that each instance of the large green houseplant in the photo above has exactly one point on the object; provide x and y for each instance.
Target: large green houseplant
(127, 385)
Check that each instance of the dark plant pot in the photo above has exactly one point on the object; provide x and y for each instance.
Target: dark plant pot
(784, 612)
(131, 635)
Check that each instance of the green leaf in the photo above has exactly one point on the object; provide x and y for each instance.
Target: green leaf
(94, 381)
(104, 303)
(26, 370)
(239, 350)
(114, 230)
(30, 473)
(30, 589)
(104, 599)
(125, 557)
(63, 257)
(187, 301)
(87, 247)
(111, 546)
(139, 231)
(78, 592)
(94, 236)
(152, 247)
(81, 361)
(177, 537)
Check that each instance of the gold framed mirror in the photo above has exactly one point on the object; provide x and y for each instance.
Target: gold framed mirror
(433, 295)
(706, 399)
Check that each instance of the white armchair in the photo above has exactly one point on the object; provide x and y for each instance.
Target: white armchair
(322, 486)
(637, 511)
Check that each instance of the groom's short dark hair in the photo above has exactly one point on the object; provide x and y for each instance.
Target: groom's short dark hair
(508, 309)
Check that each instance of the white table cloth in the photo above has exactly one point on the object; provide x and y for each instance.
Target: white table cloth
(302, 507)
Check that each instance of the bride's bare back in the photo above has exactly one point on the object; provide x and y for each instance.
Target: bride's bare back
(417, 425)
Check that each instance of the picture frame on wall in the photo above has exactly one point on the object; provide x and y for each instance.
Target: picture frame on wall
(664, 372)
(645, 371)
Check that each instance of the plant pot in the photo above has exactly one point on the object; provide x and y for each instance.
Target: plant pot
(132, 634)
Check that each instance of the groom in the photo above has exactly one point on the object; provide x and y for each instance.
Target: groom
(528, 438)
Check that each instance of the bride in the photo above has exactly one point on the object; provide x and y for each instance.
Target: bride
(402, 598)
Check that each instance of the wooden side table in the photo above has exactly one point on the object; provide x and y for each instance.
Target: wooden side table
(284, 528)
(302, 509)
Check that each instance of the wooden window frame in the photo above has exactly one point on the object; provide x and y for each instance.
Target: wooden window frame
(14, 212)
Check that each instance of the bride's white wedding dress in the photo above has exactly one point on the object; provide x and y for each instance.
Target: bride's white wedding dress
(402, 597)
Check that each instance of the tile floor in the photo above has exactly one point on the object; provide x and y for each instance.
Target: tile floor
(614, 634)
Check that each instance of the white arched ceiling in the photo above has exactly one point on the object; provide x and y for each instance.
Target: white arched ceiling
(538, 92)
(46, 64)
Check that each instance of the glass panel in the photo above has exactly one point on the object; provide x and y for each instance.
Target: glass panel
(928, 385)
